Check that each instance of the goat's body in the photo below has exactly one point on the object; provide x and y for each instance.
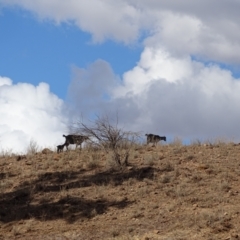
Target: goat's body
(74, 139)
(151, 138)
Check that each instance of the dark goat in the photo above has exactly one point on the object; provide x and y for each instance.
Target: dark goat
(75, 139)
(60, 148)
(151, 138)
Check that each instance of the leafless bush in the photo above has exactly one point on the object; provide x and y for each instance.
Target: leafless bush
(109, 137)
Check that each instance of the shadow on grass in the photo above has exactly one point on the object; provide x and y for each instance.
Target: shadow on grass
(21, 204)
(68, 208)
(54, 182)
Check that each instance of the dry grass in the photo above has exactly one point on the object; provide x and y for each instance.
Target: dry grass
(168, 192)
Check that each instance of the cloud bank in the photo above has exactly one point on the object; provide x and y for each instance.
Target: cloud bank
(29, 113)
(167, 95)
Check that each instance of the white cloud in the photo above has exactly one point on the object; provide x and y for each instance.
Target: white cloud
(103, 19)
(182, 96)
(171, 96)
(188, 35)
(208, 29)
(29, 113)
(5, 81)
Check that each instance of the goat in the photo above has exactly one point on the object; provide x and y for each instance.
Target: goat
(60, 148)
(151, 138)
(75, 139)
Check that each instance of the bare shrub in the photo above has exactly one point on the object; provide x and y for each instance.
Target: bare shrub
(109, 137)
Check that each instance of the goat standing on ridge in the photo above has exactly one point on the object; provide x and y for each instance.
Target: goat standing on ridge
(75, 139)
(151, 138)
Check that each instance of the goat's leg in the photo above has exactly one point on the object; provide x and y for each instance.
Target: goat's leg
(66, 144)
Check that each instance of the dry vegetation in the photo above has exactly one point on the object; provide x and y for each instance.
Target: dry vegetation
(168, 192)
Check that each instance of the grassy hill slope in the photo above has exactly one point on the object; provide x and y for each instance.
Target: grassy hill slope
(168, 192)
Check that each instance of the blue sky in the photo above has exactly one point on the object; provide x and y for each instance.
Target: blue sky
(166, 67)
(36, 51)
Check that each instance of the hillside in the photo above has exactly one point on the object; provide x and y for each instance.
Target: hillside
(168, 192)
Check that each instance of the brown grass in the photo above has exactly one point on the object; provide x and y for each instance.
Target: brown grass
(168, 192)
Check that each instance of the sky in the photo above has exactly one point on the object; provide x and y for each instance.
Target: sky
(166, 67)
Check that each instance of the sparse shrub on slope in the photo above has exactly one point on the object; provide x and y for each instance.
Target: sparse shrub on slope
(112, 139)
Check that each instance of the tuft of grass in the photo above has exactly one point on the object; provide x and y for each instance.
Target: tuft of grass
(182, 190)
(95, 156)
(93, 213)
(168, 167)
(196, 142)
(224, 186)
(218, 221)
(32, 148)
(94, 160)
(177, 141)
(144, 191)
(165, 178)
(16, 230)
(92, 164)
(6, 153)
(5, 184)
(28, 225)
(150, 159)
